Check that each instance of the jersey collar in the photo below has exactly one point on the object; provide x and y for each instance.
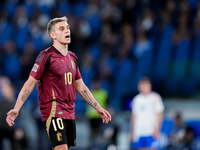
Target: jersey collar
(57, 51)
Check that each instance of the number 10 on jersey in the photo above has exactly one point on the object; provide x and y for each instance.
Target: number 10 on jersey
(68, 78)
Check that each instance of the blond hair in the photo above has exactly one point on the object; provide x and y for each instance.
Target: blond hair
(52, 22)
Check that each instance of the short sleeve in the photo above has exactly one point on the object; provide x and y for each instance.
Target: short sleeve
(78, 74)
(39, 65)
(159, 104)
(134, 106)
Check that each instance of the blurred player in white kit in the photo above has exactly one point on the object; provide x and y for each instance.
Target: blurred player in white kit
(147, 116)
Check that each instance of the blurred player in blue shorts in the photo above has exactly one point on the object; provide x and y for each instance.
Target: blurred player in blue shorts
(147, 115)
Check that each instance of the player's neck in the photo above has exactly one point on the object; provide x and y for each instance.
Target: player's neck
(62, 48)
(145, 93)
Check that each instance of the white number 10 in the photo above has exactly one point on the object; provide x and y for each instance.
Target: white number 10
(59, 122)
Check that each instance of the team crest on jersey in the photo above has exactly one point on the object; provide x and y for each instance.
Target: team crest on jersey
(35, 67)
(73, 64)
(59, 136)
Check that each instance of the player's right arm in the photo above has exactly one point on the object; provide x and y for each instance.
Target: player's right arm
(132, 121)
(132, 128)
(22, 97)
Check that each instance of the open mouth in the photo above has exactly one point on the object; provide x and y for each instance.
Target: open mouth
(67, 36)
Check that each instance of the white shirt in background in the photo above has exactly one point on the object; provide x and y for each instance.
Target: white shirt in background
(145, 109)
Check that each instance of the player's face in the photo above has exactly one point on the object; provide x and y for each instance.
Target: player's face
(144, 87)
(61, 33)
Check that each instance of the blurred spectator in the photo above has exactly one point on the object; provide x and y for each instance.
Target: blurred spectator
(170, 7)
(182, 31)
(27, 60)
(6, 27)
(184, 7)
(111, 14)
(129, 7)
(7, 102)
(111, 130)
(122, 75)
(106, 34)
(147, 21)
(38, 32)
(106, 66)
(189, 141)
(92, 14)
(20, 20)
(127, 36)
(178, 131)
(21, 140)
(29, 122)
(87, 70)
(84, 29)
(196, 25)
(1, 61)
(101, 95)
(11, 62)
(108, 139)
(142, 45)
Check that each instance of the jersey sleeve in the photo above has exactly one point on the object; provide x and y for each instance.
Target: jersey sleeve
(39, 65)
(134, 109)
(159, 107)
(78, 74)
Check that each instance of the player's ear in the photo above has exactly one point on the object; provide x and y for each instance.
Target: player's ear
(52, 35)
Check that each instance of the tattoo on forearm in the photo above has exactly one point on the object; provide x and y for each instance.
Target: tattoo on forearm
(88, 98)
(25, 95)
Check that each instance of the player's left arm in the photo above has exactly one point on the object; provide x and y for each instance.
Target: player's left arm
(159, 124)
(159, 108)
(85, 93)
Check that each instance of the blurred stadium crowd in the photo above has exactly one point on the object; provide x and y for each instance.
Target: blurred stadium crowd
(116, 41)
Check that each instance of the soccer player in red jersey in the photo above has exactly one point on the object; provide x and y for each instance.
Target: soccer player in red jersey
(57, 74)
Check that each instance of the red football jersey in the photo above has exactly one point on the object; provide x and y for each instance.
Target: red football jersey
(56, 74)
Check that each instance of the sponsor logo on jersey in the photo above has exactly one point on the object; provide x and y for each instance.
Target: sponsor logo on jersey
(35, 67)
(60, 112)
(73, 64)
(59, 136)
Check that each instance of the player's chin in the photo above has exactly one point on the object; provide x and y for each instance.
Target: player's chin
(66, 42)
